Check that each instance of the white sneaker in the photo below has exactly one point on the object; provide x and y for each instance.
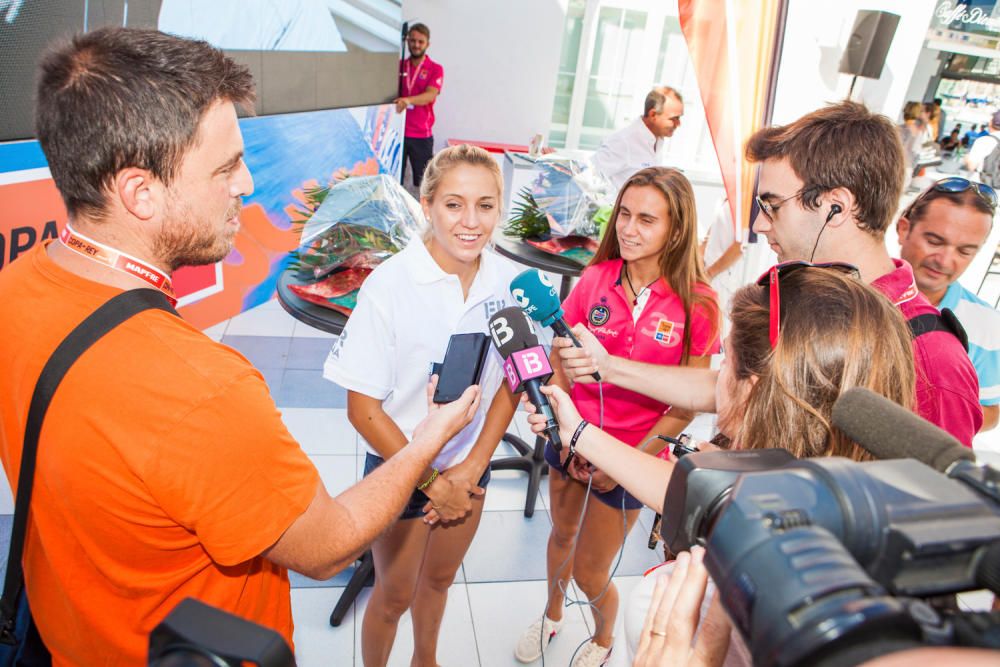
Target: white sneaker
(535, 640)
(592, 655)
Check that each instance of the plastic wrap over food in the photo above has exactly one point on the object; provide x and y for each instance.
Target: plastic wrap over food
(362, 221)
(570, 192)
(338, 292)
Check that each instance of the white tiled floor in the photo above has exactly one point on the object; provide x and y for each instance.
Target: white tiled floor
(321, 430)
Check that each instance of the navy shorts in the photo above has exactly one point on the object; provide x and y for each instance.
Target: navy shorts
(612, 498)
(419, 152)
(415, 505)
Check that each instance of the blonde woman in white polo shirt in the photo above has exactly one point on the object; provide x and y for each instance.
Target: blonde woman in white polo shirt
(446, 283)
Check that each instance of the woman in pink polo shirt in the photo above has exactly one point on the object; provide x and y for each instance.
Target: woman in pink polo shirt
(645, 296)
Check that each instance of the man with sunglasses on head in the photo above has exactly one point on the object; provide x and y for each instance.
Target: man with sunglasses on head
(829, 184)
(640, 144)
(939, 235)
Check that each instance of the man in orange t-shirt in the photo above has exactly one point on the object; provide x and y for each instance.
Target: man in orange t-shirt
(164, 470)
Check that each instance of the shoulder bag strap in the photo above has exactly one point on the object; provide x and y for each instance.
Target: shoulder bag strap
(104, 319)
(945, 321)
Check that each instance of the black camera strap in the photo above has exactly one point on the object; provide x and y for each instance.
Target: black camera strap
(100, 322)
(945, 321)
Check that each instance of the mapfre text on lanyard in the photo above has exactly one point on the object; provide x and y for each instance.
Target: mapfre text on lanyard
(410, 80)
(118, 261)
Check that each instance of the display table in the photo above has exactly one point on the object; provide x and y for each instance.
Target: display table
(521, 252)
(315, 316)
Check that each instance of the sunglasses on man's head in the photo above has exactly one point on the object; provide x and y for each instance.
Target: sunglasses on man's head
(955, 185)
(773, 276)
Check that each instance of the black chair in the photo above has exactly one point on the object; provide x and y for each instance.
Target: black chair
(364, 575)
(531, 461)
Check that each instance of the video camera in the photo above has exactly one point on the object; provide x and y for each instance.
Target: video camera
(195, 634)
(829, 561)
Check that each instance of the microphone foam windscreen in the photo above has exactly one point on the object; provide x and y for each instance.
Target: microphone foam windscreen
(890, 431)
(536, 295)
(511, 330)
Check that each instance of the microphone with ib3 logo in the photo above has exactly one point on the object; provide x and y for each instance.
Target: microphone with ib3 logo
(525, 363)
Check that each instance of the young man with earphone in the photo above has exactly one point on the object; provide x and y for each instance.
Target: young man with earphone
(829, 186)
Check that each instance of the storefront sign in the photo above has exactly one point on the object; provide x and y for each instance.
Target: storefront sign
(948, 12)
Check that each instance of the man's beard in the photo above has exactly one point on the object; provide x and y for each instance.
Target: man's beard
(183, 241)
(417, 54)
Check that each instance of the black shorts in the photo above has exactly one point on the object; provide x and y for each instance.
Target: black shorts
(415, 505)
(419, 152)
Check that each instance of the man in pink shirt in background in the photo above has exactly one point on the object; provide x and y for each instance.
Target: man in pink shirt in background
(420, 80)
(836, 175)
(829, 186)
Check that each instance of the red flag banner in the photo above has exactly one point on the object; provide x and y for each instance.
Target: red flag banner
(731, 44)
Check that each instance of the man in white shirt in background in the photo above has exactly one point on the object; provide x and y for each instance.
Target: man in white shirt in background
(640, 144)
(982, 147)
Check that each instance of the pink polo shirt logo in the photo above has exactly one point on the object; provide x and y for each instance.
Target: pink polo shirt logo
(599, 314)
(664, 333)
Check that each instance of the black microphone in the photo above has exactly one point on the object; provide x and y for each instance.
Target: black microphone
(525, 364)
(890, 431)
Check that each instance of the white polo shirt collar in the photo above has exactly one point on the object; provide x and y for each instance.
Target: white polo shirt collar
(426, 271)
(644, 135)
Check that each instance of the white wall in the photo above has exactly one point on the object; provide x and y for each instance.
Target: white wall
(815, 37)
(927, 67)
(500, 62)
(816, 34)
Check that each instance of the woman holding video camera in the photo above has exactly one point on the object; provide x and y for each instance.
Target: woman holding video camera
(800, 338)
(645, 295)
(443, 284)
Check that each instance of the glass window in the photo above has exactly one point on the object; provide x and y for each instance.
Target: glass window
(633, 45)
(572, 34)
(611, 86)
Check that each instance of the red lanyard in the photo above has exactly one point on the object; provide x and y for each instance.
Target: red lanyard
(118, 261)
(410, 80)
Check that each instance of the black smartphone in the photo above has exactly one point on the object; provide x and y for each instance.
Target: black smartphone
(462, 365)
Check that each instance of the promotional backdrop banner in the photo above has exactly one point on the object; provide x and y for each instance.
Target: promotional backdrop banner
(286, 154)
(731, 43)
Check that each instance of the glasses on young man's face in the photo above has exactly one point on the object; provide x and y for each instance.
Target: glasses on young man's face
(956, 184)
(768, 208)
(772, 277)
